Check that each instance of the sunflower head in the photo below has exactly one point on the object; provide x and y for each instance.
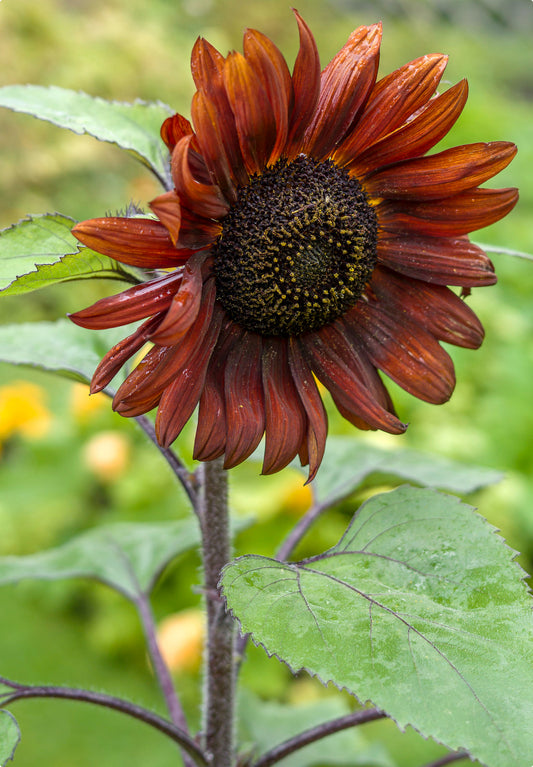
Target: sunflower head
(307, 235)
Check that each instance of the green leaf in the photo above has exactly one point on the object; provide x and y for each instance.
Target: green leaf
(264, 725)
(134, 127)
(41, 251)
(9, 736)
(129, 557)
(419, 609)
(347, 462)
(58, 347)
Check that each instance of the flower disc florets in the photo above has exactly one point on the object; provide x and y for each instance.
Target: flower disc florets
(297, 248)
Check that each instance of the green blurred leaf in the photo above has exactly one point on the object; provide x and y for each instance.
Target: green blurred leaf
(347, 462)
(9, 736)
(129, 557)
(57, 347)
(419, 602)
(41, 250)
(134, 127)
(264, 725)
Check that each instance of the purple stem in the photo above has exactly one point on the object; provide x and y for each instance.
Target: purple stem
(456, 756)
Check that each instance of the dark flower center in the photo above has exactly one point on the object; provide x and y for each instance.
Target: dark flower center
(296, 249)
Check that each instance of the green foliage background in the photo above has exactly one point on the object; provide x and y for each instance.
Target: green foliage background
(75, 634)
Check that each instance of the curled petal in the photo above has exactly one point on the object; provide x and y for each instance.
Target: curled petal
(210, 440)
(453, 216)
(268, 63)
(417, 136)
(205, 199)
(185, 305)
(327, 355)
(189, 231)
(133, 304)
(306, 85)
(136, 241)
(175, 128)
(285, 419)
(394, 99)
(317, 419)
(148, 397)
(345, 86)
(167, 208)
(405, 352)
(244, 401)
(441, 175)
(121, 353)
(440, 260)
(181, 397)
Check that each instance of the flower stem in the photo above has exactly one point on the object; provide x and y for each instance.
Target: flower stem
(219, 703)
(456, 756)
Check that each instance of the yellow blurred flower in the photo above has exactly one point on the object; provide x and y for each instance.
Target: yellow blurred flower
(23, 410)
(84, 405)
(181, 639)
(107, 455)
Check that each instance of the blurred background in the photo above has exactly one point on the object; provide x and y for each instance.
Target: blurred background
(67, 463)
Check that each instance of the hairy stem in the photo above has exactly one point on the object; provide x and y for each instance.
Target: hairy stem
(219, 702)
(313, 734)
(449, 758)
(108, 701)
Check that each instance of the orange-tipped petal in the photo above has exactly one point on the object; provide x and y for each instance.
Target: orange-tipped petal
(136, 241)
(441, 175)
(204, 199)
(167, 208)
(306, 85)
(345, 86)
(175, 128)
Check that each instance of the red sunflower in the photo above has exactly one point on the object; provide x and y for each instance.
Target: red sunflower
(307, 235)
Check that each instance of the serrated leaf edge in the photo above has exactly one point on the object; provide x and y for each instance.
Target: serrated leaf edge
(19, 736)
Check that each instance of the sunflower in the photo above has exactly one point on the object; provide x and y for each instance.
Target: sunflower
(307, 236)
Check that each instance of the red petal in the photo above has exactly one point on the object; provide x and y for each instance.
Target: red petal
(456, 215)
(254, 118)
(306, 84)
(175, 128)
(168, 210)
(133, 304)
(394, 99)
(245, 411)
(148, 397)
(204, 199)
(441, 175)
(417, 136)
(268, 63)
(440, 260)
(405, 352)
(433, 307)
(210, 440)
(345, 85)
(317, 418)
(181, 397)
(285, 419)
(121, 353)
(336, 365)
(135, 241)
(189, 231)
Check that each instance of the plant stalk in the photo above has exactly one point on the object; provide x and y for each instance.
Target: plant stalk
(220, 684)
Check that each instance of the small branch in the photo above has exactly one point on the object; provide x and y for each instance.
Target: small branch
(220, 681)
(180, 470)
(298, 531)
(108, 701)
(449, 758)
(291, 745)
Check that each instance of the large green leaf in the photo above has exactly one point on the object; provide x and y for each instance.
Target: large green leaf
(264, 725)
(41, 250)
(134, 127)
(349, 461)
(58, 347)
(9, 736)
(419, 609)
(129, 557)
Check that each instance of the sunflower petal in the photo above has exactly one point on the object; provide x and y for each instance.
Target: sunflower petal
(317, 418)
(204, 199)
(439, 260)
(148, 397)
(285, 419)
(346, 83)
(306, 85)
(136, 241)
(453, 216)
(269, 64)
(244, 401)
(394, 98)
(440, 175)
(133, 304)
(175, 128)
